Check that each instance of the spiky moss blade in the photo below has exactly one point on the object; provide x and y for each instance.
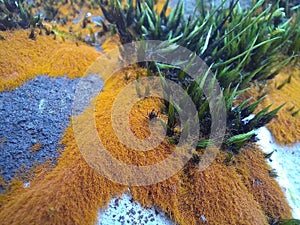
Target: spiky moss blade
(251, 108)
(262, 117)
(203, 143)
(249, 50)
(171, 118)
(289, 222)
(240, 139)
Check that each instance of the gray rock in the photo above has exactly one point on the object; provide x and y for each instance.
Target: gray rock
(38, 112)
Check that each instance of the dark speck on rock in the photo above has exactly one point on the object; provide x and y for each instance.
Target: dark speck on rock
(132, 211)
(121, 219)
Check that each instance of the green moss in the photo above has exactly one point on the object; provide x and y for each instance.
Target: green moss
(17, 14)
(239, 45)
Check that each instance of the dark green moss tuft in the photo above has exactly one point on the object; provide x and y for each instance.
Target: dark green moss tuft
(239, 45)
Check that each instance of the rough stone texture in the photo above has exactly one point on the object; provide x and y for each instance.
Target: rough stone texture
(33, 118)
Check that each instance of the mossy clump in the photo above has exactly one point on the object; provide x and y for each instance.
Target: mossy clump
(240, 45)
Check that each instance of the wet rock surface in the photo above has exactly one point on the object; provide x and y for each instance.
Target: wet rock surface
(33, 118)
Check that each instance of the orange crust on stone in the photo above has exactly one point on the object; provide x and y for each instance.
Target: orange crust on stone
(22, 59)
(285, 127)
(72, 192)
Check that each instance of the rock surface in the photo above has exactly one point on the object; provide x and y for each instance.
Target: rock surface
(125, 211)
(33, 118)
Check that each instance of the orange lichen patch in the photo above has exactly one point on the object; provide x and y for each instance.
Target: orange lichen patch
(73, 192)
(36, 147)
(16, 186)
(22, 58)
(266, 191)
(13, 189)
(214, 196)
(159, 6)
(111, 43)
(139, 126)
(70, 194)
(286, 126)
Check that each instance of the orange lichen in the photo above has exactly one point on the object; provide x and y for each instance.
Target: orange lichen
(73, 192)
(2, 182)
(266, 191)
(222, 194)
(70, 194)
(22, 58)
(286, 126)
(36, 147)
(13, 189)
(214, 196)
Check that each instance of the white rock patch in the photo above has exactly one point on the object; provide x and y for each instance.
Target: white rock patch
(124, 210)
(286, 161)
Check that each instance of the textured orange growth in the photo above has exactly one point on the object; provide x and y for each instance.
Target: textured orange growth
(159, 6)
(110, 43)
(285, 127)
(22, 58)
(222, 194)
(15, 188)
(214, 196)
(72, 192)
(266, 191)
(36, 147)
(138, 121)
